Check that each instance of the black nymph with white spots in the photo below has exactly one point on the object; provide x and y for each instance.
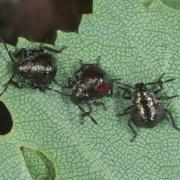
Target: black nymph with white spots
(146, 109)
(34, 67)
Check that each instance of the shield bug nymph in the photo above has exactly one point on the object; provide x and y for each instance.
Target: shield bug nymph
(34, 67)
(89, 84)
(146, 109)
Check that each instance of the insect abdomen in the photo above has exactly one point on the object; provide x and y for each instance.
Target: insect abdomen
(42, 70)
(147, 111)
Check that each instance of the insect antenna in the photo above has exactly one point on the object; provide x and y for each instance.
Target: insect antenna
(58, 91)
(160, 82)
(52, 49)
(123, 84)
(98, 60)
(7, 85)
(10, 55)
(55, 81)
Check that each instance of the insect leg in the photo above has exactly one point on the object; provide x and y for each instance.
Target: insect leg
(9, 53)
(22, 53)
(172, 119)
(84, 114)
(98, 60)
(126, 85)
(167, 97)
(113, 81)
(126, 93)
(20, 86)
(76, 73)
(116, 80)
(41, 89)
(7, 84)
(70, 82)
(125, 111)
(132, 128)
(157, 91)
(96, 103)
(160, 82)
(53, 49)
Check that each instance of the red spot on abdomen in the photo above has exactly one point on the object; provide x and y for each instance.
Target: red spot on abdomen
(103, 88)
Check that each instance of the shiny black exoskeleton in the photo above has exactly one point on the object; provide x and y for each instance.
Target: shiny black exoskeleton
(89, 83)
(33, 67)
(146, 109)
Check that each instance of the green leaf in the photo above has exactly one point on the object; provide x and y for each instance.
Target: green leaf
(173, 3)
(136, 44)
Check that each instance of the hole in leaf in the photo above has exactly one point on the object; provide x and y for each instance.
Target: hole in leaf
(172, 3)
(38, 164)
(6, 122)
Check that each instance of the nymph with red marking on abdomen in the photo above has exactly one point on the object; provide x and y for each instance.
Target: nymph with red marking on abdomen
(89, 84)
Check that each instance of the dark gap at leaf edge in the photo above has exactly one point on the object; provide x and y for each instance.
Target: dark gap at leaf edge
(32, 158)
(6, 122)
(88, 10)
(63, 15)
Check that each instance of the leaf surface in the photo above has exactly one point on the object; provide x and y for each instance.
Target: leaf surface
(136, 44)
